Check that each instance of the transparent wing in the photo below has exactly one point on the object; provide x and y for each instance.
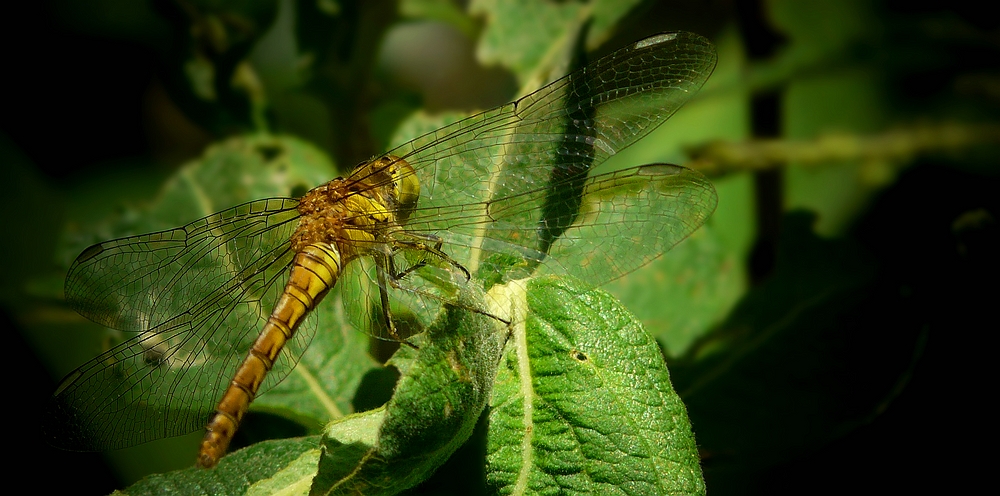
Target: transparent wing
(197, 296)
(508, 189)
(556, 134)
(511, 180)
(622, 221)
(629, 218)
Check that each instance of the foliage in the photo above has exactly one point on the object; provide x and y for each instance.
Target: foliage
(814, 371)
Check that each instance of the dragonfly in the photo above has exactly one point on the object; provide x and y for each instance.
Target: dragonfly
(221, 308)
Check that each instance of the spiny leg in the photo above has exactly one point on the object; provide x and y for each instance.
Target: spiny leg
(383, 276)
(419, 244)
(436, 250)
(387, 274)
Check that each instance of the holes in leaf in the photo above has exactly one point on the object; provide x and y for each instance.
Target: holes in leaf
(269, 152)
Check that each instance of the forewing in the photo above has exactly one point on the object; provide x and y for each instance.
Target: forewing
(197, 296)
(469, 171)
(141, 282)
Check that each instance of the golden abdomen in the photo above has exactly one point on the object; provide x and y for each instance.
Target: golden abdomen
(314, 271)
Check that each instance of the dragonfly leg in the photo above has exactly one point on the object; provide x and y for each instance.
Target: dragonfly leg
(420, 243)
(385, 270)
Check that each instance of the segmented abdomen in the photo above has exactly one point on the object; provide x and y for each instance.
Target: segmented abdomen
(314, 271)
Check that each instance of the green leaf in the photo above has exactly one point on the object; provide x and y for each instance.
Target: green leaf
(240, 169)
(445, 386)
(536, 40)
(607, 14)
(532, 41)
(231, 172)
(583, 403)
(270, 467)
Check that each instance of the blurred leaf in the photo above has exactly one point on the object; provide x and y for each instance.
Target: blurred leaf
(209, 77)
(338, 44)
(849, 100)
(445, 12)
(241, 169)
(536, 40)
(530, 38)
(826, 26)
(606, 17)
(685, 293)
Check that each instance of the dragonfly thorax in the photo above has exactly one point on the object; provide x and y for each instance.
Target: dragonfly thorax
(360, 212)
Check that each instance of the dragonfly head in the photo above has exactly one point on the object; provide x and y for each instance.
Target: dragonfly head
(406, 186)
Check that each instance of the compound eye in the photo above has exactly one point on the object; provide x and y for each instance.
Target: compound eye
(408, 189)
